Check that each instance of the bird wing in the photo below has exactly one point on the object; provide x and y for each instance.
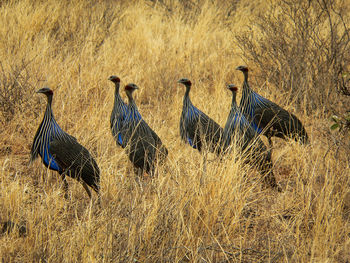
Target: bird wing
(160, 147)
(76, 160)
(142, 150)
(264, 117)
(190, 131)
(282, 122)
(211, 130)
(238, 128)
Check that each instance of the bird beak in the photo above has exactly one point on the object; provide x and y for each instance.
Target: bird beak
(39, 91)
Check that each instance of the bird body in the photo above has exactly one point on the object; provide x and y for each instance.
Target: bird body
(238, 131)
(76, 161)
(61, 152)
(196, 128)
(47, 131)
(144, 143)
(119, 112)
(120, 118)
(267, 117)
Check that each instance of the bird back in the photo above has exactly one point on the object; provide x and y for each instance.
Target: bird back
(142, 145)
(198, 129)
(76, 161)
(269, 118)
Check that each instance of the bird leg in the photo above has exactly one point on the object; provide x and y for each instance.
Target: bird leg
(65, 185)
(269, 135)
(204, 167)
(87, 189)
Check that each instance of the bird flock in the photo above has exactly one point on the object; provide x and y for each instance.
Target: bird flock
(255, 116)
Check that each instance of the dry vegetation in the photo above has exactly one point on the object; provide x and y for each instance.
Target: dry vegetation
(74, 46)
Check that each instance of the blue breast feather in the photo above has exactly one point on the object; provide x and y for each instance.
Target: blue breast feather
(118, 127)
(257, 101)
(44, 151)
(120, 140)
(136, 116)
(50, 161)
(192, 113)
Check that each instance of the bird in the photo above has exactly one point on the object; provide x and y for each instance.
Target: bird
(61, 152)
(238, 131)
(196, 128)
(119, 112)
(143, 141)
(267, 117)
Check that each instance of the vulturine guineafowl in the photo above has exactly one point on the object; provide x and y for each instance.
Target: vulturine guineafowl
(267, 117)
(144, 144)
(61, 152)
(119, 112)
(196, 128)
(238, 132)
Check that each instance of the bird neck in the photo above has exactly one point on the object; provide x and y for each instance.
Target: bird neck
(234, 103)
(246, 87)
(187, 101)
(245, 73)
(133, 111)
(117, 97)
(116, 90)
(48, 107)
(49, 100)
(234, 113)
(48, 112)
(187, 93)
(132, 104)
(246, 91)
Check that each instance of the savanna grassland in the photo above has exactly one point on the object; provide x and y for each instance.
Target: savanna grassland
(196, 209)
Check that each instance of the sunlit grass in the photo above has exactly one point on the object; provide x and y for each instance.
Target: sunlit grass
(73, 47)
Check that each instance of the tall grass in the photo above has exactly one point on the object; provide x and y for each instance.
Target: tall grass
(73, 47)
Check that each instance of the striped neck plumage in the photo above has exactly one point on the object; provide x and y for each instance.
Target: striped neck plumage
(187, 102)
(246, 94)
(49, 100)
(234, 108)
(246, 88)
(133, 108)
(117, 97)
(234, 103)
(116, 90)
(48, 111)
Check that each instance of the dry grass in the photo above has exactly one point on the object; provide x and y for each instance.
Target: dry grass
(74, 46)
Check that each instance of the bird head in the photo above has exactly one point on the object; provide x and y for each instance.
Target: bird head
(242, 68)
(185, 81)
(45, 90)
(131, 87)
(232, 87)
(114, 79)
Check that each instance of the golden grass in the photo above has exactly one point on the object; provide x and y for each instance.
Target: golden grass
(74, 46)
